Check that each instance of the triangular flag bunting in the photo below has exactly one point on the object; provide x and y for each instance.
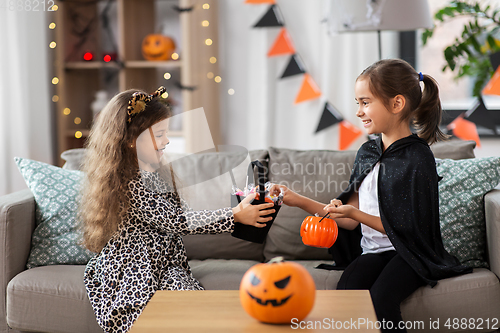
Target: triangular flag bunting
(329, 117)
(493, 86)
(348, 134)
(253, 2)
(272, 18)
(282, 45)
(308, 91)
(480, 115)
(495, 60)
(294, 67)
(464, 129)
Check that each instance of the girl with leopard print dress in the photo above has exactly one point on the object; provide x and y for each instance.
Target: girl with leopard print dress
(132, 215)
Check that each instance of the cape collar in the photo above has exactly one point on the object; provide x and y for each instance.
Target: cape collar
(398, 144)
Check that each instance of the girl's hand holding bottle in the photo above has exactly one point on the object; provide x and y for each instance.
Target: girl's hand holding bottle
(253, 215)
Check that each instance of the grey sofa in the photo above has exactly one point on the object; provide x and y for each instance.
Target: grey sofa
(53, 298)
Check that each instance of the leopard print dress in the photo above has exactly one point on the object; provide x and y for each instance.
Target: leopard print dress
(147, 254)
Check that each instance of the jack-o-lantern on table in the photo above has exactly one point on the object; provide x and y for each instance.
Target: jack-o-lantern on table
(157, 47)
(277, 292)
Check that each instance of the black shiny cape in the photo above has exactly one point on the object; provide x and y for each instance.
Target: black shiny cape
(409, 203)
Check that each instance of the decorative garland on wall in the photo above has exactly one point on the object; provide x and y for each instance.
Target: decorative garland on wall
(465, 125)
(283, 45)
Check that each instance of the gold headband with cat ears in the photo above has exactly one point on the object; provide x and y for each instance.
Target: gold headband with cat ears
(138, 102)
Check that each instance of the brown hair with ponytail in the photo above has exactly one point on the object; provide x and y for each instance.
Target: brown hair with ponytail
(391, 77)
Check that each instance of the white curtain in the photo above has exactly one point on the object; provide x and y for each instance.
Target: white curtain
(261, 113)
(25, 125)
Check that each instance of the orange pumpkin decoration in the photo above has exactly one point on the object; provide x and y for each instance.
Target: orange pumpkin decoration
(157, 47)
(319, 232)
(278, 291)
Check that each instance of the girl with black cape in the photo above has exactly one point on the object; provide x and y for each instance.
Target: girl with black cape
(393, 191)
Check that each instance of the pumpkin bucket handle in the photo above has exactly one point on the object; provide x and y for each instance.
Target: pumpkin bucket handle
(326, 215)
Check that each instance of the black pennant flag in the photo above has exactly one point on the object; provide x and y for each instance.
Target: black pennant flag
(495, 60)
(294, 67)
(330, 117)
(480, 115)
(272, 18)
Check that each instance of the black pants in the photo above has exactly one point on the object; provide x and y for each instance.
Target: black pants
(390, 281)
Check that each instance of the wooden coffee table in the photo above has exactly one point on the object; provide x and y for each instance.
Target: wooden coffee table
(221, 311)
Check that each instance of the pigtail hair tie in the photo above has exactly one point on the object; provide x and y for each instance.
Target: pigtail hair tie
(420, 76)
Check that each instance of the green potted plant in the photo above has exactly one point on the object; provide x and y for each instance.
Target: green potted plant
(469, 53)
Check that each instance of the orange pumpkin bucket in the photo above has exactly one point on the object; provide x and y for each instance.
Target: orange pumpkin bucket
(319, 231)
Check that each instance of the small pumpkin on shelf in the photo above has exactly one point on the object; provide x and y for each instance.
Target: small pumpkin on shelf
(277, 291)
(157, 47)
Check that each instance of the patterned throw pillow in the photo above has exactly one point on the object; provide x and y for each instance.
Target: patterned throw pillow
(461, 206)
(55, 240)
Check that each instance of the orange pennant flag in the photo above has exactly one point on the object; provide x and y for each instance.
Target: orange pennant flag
(282, 45)
(348, 134)
(465, 130)
(493, 86)
(309, 90)
(260, 1)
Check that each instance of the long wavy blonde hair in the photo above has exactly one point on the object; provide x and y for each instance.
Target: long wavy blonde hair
(110, 163)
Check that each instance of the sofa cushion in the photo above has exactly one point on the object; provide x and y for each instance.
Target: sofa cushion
(56, 238)
(50, 299)
(323, 279)
(473, 296)
(317, 174)
(454, 149)
(220, 274)
(461, 206)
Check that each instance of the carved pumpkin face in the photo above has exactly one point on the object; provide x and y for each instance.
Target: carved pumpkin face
(157, 47)
(319, 234)
(278, 291)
